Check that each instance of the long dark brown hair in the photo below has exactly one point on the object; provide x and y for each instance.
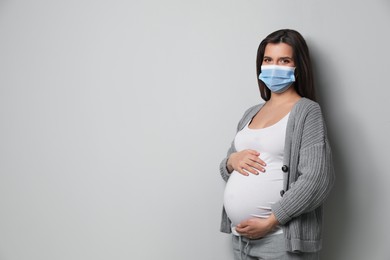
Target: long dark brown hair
(304, 83)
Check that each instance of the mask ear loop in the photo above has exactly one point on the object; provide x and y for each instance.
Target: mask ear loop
(296, 77)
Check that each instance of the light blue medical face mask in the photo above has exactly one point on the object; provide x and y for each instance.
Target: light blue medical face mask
(277, 78)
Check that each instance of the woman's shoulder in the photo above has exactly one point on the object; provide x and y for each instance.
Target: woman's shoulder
(308, 103)
(253, 109)
(248, 115)
(305, 105)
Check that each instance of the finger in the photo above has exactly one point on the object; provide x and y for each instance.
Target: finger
(254, 166)
(250, 164)
(243, 231)
(240, 230)
(254, 152)
(257, 160)
(242, 171)
(243, 224)
(251, 170)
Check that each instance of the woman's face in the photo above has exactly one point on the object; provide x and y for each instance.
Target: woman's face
(278, 54)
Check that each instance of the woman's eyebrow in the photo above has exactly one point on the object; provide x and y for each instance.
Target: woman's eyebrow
(284, 58)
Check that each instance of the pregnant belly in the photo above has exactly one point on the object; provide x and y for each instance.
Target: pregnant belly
(251, 196)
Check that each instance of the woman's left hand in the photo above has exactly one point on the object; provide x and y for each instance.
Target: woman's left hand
(256, 228)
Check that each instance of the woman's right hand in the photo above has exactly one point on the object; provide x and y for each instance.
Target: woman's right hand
(246, 161)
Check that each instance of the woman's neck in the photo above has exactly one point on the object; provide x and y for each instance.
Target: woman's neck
(289, 96)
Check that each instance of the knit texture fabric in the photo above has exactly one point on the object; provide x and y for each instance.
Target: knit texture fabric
(308, 181)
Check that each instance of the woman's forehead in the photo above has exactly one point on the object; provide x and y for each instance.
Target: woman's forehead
(278, 49)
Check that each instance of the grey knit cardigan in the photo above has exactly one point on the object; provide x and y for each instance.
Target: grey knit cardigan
(307, 182)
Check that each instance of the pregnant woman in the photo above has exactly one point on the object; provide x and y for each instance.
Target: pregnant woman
(279, 167)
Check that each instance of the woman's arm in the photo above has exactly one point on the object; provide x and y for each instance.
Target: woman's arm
(314, 174)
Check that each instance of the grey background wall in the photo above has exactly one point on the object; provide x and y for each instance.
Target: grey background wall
(114, 116)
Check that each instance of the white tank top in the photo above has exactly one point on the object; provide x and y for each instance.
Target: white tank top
(252, 196)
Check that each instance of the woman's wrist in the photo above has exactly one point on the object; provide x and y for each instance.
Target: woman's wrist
(272, 221)
(229, 166)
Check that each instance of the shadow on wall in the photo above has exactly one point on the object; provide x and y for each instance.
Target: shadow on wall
(347, 229)
(337, 223)
(344, 221)
(337, 206)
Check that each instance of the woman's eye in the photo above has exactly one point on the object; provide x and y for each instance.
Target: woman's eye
(266, 60)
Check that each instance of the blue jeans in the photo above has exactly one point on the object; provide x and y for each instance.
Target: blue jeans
(268, 248)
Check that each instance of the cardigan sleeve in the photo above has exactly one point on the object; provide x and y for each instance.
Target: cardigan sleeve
(314, 176)
(223, 165)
